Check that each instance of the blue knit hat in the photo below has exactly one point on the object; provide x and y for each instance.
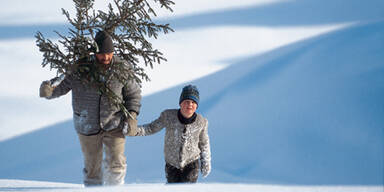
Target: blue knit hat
(190, 92)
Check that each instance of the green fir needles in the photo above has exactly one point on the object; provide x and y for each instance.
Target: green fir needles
(130, 25)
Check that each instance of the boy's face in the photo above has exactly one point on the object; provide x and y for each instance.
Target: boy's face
(187, 108)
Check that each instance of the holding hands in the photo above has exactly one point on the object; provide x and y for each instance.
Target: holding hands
(130, 125)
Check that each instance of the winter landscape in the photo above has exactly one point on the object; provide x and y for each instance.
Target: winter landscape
(293, 91)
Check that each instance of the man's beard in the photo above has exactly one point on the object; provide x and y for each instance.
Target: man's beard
(105, 61)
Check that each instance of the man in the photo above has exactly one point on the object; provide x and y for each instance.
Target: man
(97, 120)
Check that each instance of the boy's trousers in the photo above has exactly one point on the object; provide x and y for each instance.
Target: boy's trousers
(188, 174)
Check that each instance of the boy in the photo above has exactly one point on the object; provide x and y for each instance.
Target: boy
(186, 139)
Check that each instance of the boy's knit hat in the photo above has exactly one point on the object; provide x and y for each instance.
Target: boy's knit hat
(190, 92)
(104, 42)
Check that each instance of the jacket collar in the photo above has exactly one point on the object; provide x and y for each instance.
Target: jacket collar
(184, 120)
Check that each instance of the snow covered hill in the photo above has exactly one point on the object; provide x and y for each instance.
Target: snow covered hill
(302, 114)
(308, 113)
(304, 110)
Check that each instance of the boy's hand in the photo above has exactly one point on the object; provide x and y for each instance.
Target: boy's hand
(130, 125)
(46, 89)
(205, 169)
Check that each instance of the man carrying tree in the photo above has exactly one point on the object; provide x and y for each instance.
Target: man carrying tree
(97, 120)
(102, 71)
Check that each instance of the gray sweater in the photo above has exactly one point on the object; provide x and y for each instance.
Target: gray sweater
(183, 143)
(93, 111)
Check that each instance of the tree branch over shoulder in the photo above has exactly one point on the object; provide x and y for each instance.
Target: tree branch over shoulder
(130, 24)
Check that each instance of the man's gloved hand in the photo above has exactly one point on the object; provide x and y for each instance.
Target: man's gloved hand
(130, 125)
(46, 89)
(205, 168)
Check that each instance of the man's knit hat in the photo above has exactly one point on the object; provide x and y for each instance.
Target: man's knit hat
(104, 42)
(190, 92)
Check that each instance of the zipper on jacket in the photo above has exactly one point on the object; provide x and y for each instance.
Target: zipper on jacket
(182, 144)
(100, 123)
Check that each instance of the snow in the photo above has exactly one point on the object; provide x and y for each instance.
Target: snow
(20, 185)
(26, 12)
(23, 185)
(177, 70)
(292, 91)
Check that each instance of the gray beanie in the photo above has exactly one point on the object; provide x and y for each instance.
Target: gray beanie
(104, 42)
(190, 92)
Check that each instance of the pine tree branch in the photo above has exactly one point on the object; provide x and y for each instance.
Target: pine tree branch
(131, 28)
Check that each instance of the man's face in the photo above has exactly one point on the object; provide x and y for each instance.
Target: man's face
(187, 108)
(104, 58)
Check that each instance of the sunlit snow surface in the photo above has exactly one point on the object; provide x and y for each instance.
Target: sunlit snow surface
(20, 186)
(293, 91)
(209, 50)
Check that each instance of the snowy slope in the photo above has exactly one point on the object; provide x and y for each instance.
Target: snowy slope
(20, 186)
(313, 109)
(301, 114)
(19, 12)
(280, 111)
(21, 81)
(307, 113)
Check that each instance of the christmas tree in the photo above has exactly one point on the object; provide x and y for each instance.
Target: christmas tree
(130, 24)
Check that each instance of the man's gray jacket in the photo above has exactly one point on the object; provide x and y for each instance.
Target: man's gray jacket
(93, 111)
(183, 143)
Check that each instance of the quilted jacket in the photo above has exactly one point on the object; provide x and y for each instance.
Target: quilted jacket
(93, 111)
